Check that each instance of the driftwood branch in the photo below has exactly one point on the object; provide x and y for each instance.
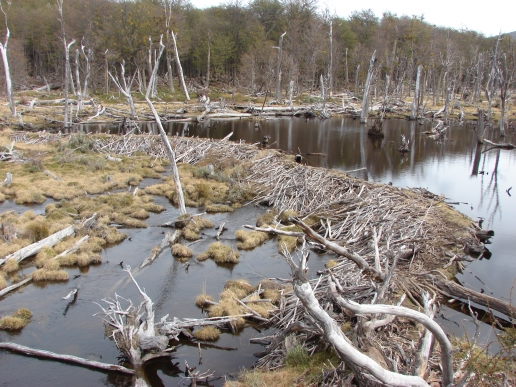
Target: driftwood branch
(167, 241)
(356, 360)
(65, 358)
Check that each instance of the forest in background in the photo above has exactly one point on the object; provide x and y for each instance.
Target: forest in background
(240, 41)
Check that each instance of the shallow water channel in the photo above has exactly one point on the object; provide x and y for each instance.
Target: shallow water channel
(452, 168)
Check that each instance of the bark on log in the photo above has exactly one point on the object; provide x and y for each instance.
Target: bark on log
(65, 358)
(452, 289)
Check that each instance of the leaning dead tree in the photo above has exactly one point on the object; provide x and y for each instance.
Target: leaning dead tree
(7, 73)
(369, 80)
(170, 152)
(179, 67)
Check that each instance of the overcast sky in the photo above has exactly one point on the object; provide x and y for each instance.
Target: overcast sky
(488, 18)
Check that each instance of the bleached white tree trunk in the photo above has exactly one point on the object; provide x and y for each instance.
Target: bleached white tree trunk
(67, 115)
(170, 152)
(330, 70)
(88, 69)
(78, 80)
(3, 52)
(415, 103)
(278, 69)
(179, 68)
(365, 100)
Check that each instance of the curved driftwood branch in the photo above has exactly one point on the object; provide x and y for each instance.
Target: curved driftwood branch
(401, 311)
(66, 358)
(356, 360)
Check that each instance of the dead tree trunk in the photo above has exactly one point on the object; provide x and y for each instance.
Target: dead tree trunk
(125, 87)
(88, 69)
(7, 73)
(67, 118)
(106, 72)
(480, 126)
(365, 100)
(278, 67)
(166, 143)
(447, 106)
(78, 80)
(290, 91)
(179, 68)
(505, 79)
(415, 103)
(330, 70)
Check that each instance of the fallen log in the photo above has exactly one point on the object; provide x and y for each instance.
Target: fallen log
(167, 241)
(66, 358)
(495, 145)
(49, 241)
(454, 290)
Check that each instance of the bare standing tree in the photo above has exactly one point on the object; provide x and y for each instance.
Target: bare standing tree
(125, 87)
(506, 71)
(3, 51)
(67, 45)
(278, 70)
(179, 68)
(365, 100)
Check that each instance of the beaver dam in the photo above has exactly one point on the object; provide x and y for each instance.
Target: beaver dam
(353, 272)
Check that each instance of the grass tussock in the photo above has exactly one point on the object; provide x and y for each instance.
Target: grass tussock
(193, 226)
(17, 321)
(273, 295)
(181, 251)
(201, 299)
(241, 288)
(285, 215)
(3, 281)
(250, 239)
(44, 255)
(10, 266)
(213, 208)
(266, 219)
(29, 197)
(41, 275)
(288, 242)
(208, 333)
(37, 230)
(220, 253)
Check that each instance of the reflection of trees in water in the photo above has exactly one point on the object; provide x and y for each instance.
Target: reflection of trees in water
(490, 192)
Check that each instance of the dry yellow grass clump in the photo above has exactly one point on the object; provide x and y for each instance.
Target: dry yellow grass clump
(41, 275)
(44, 255)
(17, 321)
(250, 239)
(201, 299)
(3, 281)
(181, 251)
(208, 333)
(10, 266)
(266, 219)
(283, 217)
(220, 253)
(192, 227)
(218, 208)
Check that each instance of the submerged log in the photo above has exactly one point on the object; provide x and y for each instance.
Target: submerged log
(167, 240)
(65, 358)
(495, 145)
(454, 290)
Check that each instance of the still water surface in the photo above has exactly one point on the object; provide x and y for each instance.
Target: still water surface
(451, 168)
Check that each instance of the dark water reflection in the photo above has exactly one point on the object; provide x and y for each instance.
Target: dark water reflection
(455, 168)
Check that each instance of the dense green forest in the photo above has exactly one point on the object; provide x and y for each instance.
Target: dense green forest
(239, 41)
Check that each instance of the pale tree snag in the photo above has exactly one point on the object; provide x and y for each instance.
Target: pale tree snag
(170, 152)
(415, 103)
(125, 87)
(278, 68)
(168, 16)
(447, 106)
(133, 331)
(290, 91)
(78, 80)
(506, 73)
(7, 73)
(106, 72)
(369, 80)
(480, 126)
(87, 57)
(362, 365)
(179, 67)
(207, 83)
(330, 69)
(65, 358)
(67, 117)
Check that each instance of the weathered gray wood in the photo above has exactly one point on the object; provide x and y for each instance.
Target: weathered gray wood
(365, 100)
(415, 103)
(66, 358)
(7, 73)
(154, 343)
(167, 240)
(9, 289)
(278, 67)
(179, 68)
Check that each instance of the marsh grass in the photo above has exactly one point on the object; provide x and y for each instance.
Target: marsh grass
(181, 251)
(17, 321)
(213, 208)
(10, 266)
(331, 263)
(220, 253)
(3, 281)
(266, 219)
(41, 275)
(207, 333)
(248, 240)
(201, 299)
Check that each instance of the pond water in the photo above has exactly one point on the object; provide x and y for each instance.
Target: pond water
(452, 168)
